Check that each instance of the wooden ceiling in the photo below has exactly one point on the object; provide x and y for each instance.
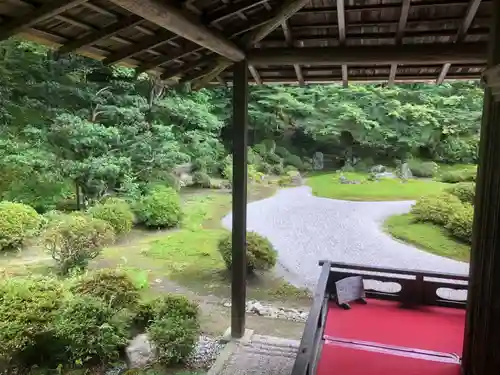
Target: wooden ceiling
(303, 41)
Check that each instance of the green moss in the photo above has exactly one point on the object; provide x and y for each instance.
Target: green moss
(426, 236)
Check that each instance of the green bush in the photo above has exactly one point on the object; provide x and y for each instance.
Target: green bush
(426, 169)
(295, 161)
(116, 212)
(265, 168)
(161, 208)
(282, 152)
(290, 168)
(460, 223)
(252, 173)
(260, 252)
(28, 305)
(272, 158)
(285, 180)
(112, 286)
(201, 179)
(17, 222)
(260, 149)
(465, 191)
(436, 208)
(91, 331)
(168, 305)
(67, 205)
(77, 239)
(277, 169)
(174, 338)
(227, 168)
(463, 175)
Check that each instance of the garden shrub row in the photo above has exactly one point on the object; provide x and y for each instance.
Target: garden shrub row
(47, 323)
(463, 175)
(448, 211)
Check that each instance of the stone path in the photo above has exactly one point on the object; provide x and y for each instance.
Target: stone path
(304, 229)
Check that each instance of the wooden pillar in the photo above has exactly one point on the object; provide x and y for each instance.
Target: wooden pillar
(482, 334)
(240, 129)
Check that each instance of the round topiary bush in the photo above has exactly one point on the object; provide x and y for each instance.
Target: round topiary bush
(29, 305)
(465, 191)
(460, 223)
(290, 168)
(161, 208)
(277, 169)
(112, 286)
(295, 161)
(17, 222)
(265, 168)
(282, 152)
(116, 212)
(272, 158)
(261, 254)
(436, 208)
(425, 169)
(77, 239)
(91, 330)
(174, 338)
(201, 179)
(464, 175)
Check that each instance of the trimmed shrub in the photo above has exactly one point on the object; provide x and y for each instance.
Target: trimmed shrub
(67, 205)
(295, 161)
(201, 179)
(17, 222)
(460, 223)
(285, 180)
(260, 252)
(282, 152)
(465, 191)
(426, 169)
(260, 149)
(161, 208)
(253, 157)
(290, 168)
(277, 169)
(436, 208)
(273, 158)
(112, 286)
(227, 168)
(91, 331)
(464, 175)
(265, 168)
(77, 239)
(116, 212)
(28, 305)
(174, 338)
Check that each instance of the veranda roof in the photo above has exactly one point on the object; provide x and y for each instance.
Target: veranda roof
(284, 41)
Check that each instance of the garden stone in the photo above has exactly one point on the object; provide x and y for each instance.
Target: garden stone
(406, 171)
(378, 169)
(118, 369)
(318, 161)
(140, 351)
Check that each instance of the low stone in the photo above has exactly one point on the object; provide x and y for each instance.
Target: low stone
(140, 351)
(227, 304)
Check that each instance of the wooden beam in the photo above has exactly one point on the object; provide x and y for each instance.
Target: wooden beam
(345, 76)
(255, 74)
(186, 68)
(165, 59)
(44, 12)
(392, 73)
(239, 227)
(289, 41)
(341, 29)
(231, 9)
(470, 13)
(183, 24)
(369, 55)
(288, 9)
(106, 32)
(403, 18)
(146, 43)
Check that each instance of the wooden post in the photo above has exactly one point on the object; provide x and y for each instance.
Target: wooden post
(240, 128)
(482, 333)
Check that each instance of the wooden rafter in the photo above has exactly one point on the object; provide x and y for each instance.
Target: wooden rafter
(470, 13)
(342, 32)
(231, 9)
(147, 43)
(462, 53)
(403, 18)
(255, 74)
(44, 12)
(289, 41)
(183, 24)
(288, 9)
(99, 35)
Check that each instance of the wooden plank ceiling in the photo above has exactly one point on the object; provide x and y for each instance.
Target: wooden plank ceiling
(304, 41)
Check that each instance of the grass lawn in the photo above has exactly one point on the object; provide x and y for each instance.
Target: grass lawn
(389, 189)
(426, 236)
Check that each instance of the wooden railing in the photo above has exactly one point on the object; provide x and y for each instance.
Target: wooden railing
(411, 288)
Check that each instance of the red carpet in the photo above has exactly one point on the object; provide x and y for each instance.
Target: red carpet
(385, 324)
(430, 328)
(337, 360)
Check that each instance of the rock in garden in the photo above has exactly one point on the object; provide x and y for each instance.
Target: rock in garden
(140, 351)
